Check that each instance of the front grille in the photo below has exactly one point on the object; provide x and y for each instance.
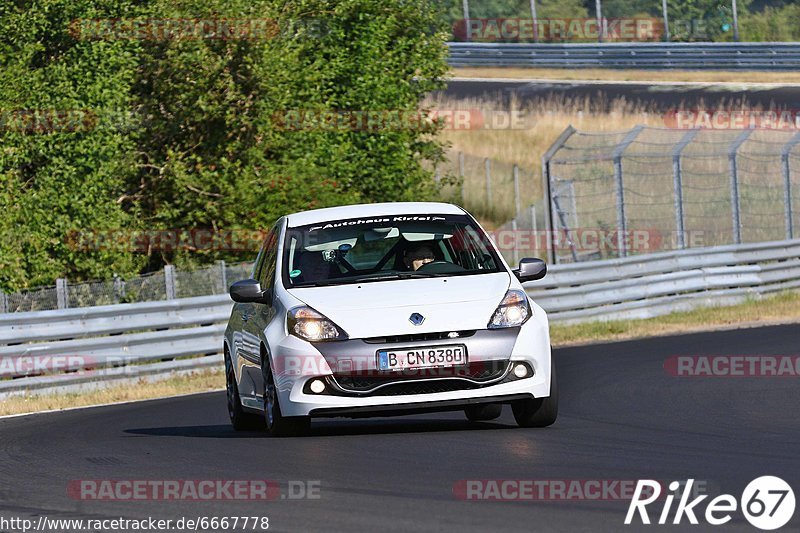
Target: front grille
(416, 337)
(472, 375)
(424, 387)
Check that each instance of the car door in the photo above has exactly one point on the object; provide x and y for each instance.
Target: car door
(255, 317)
(236, 323)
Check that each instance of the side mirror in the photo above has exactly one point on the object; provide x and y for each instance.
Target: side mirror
(530, 268)
(247, 290)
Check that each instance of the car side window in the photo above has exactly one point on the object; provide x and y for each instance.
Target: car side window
(266, 271)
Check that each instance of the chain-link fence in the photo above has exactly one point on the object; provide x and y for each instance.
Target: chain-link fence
(491, 190)
(506, 197)
(166, 284)
(650, 189)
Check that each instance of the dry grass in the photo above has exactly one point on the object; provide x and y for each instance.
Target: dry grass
(781, 308)
(205, 381)
(544, 120)
(629, 75)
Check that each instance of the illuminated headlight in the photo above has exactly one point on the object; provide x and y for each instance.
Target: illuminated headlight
(312, 326)
(513, 311)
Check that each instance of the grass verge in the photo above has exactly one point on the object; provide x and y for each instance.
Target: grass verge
(629, 75)
(205, 381)
(781, 308)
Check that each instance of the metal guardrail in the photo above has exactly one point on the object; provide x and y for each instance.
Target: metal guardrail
(127, 342)
(705, 56)
(123, 342)
(650, 285)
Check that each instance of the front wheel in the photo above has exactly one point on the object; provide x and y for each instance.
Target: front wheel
(240, 420)
(538, 412)
(277, 424)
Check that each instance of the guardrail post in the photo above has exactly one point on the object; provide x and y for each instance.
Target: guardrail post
(622, 223)
(223, 275)
(735, 199)
(169, 281)
(487, 167)
(516, 191)
(787, 183)
(677, 179)
(548, 193)
(61, 293)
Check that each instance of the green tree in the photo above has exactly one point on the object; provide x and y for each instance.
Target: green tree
(186, 133)
(59, 172)
(215, 153)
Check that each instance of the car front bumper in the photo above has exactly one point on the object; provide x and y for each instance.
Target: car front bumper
(296, 363)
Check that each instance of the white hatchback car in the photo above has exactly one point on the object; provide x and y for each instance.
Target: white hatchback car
(385, 309)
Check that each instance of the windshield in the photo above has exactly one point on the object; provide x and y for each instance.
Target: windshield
(385, 248)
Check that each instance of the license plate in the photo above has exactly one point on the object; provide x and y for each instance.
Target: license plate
(422, 357)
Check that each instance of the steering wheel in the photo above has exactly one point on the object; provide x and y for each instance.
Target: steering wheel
(440, 267)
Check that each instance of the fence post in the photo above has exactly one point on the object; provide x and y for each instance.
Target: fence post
(461, 176)
(534, 231)
(622, 223)
(3, 302)
(548, 193)
(515, 251)
(119, 288)
(787, 183)
(487, 166)
(677, 179)
(223, 275)
(169, 281)
(736, 221)
(516, 191)
(61, 293)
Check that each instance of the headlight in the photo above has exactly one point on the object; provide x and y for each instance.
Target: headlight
(513, 311)
(312, 326)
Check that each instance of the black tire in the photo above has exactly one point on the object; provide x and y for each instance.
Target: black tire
(240, 420)
(482, 413)
(538, 412)
(277, 424)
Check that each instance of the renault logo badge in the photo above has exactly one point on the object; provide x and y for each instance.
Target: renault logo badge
(416, 319)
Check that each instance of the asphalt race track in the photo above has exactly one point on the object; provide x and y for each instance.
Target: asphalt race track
(660, 96)
(622, 418)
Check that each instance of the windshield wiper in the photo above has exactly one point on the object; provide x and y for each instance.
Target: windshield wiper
(363, 279)
(396, 275)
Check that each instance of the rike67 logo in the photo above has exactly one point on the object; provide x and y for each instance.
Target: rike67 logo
(767, 503)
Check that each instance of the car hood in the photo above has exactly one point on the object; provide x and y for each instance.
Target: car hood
(381, 308)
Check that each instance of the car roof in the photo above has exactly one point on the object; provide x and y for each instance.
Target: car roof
(372, 210)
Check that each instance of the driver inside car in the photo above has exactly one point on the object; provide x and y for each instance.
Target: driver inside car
(417, 256)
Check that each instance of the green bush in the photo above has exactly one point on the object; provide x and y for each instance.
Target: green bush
(186, 133)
